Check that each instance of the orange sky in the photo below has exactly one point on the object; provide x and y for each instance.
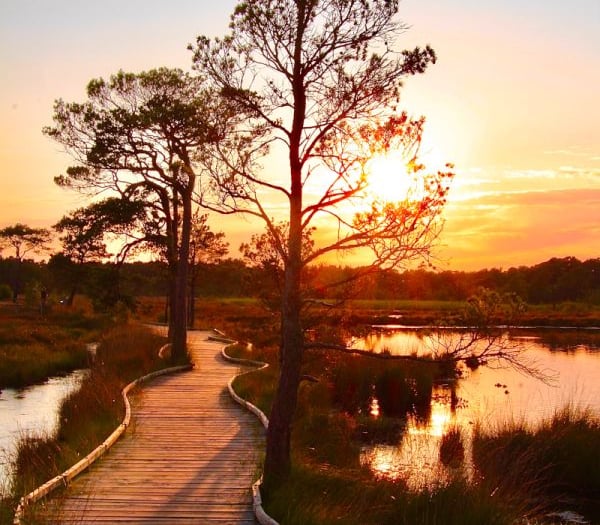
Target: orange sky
(513, 102)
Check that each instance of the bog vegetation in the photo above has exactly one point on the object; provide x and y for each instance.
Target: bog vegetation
(33, 348)
(520, 472)
(549, 465)
(89, 414)
(556, 282)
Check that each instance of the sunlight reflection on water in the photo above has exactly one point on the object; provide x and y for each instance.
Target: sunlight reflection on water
(484, 396)
(31, 410)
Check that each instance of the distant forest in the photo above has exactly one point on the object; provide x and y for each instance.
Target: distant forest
(553, 281)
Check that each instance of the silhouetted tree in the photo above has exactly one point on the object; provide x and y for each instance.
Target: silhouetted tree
(136, 137)
(318, 81)
(23, 239)
(206, 247)
(84, 233)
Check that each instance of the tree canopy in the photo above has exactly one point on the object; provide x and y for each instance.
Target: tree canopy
(136, 138)
(24, 239)
(318, 83)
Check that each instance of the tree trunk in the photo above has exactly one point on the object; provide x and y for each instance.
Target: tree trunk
(167, 311)
(179, 307)
(171, 300)
(72, 295)
(16, 281)
(278, 460)
(179, 317)
(278, 453)
(192, 299)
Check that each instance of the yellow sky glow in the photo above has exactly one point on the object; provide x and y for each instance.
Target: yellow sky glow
(512, 102)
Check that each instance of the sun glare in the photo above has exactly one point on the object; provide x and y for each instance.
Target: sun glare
(389, 178)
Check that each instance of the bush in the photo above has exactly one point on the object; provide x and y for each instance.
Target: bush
(5, 292)
(452, 448)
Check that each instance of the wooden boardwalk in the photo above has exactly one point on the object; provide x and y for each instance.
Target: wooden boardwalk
(189, 456)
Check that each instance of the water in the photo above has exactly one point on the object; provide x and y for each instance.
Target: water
(569, 359)
(31, 410)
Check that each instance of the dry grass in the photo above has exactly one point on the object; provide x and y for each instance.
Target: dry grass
(556, 464)
(90, 414)
(33, 348)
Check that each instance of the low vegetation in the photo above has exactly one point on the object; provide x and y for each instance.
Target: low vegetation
(90, 414)
(519, 472)
(321, 496)
(33, 348)
(556, 463)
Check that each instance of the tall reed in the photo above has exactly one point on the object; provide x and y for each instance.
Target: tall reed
(556, 464)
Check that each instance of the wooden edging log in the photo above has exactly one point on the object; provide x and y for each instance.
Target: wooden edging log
(262, 517)
(62, 480)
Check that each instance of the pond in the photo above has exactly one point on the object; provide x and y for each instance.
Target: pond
(569, 358)
(31, 410)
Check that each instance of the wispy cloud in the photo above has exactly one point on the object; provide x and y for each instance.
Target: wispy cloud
(522, 227)
(530, 174)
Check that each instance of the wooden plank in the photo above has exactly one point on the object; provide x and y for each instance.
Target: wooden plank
(189, 455)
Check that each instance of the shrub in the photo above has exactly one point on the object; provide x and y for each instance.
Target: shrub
(5, 292)
(452, 448)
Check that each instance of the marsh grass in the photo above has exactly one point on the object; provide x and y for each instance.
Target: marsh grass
(7, 502)
(321, 496)
(258, 387)
(519, 472)
(452, 447)
(29, 364)
(557, 463)
(399, 387)
(90, 414)
(33, 348)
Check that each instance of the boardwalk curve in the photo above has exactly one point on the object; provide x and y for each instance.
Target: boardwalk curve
(189, 456)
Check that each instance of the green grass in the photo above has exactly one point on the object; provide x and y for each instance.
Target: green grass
(258, 388)
(322, 496)
(409, 305)
(28, 364)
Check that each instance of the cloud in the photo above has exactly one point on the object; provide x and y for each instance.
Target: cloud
(580, 172)
(530, 174)
(513, 228)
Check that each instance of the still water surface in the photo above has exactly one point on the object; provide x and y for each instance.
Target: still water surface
(31, 410)
(488, 397)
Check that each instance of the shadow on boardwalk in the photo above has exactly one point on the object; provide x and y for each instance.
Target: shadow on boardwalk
(190, 455)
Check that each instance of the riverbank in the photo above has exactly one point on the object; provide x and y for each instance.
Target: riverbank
(88, 415)
(330, 484)
(224, 312)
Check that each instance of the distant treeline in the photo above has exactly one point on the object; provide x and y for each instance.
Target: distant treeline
(556, 280)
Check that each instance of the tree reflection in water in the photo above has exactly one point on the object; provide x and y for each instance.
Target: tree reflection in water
(486, 397)
(415, 458)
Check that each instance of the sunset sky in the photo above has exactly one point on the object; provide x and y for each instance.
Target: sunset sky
(514, 102)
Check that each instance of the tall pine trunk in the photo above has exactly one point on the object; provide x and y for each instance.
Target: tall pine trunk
(192, 299)
(278, 462)
(179, 307)
(278, 450)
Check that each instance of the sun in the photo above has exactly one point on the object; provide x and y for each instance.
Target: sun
(389, 178)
